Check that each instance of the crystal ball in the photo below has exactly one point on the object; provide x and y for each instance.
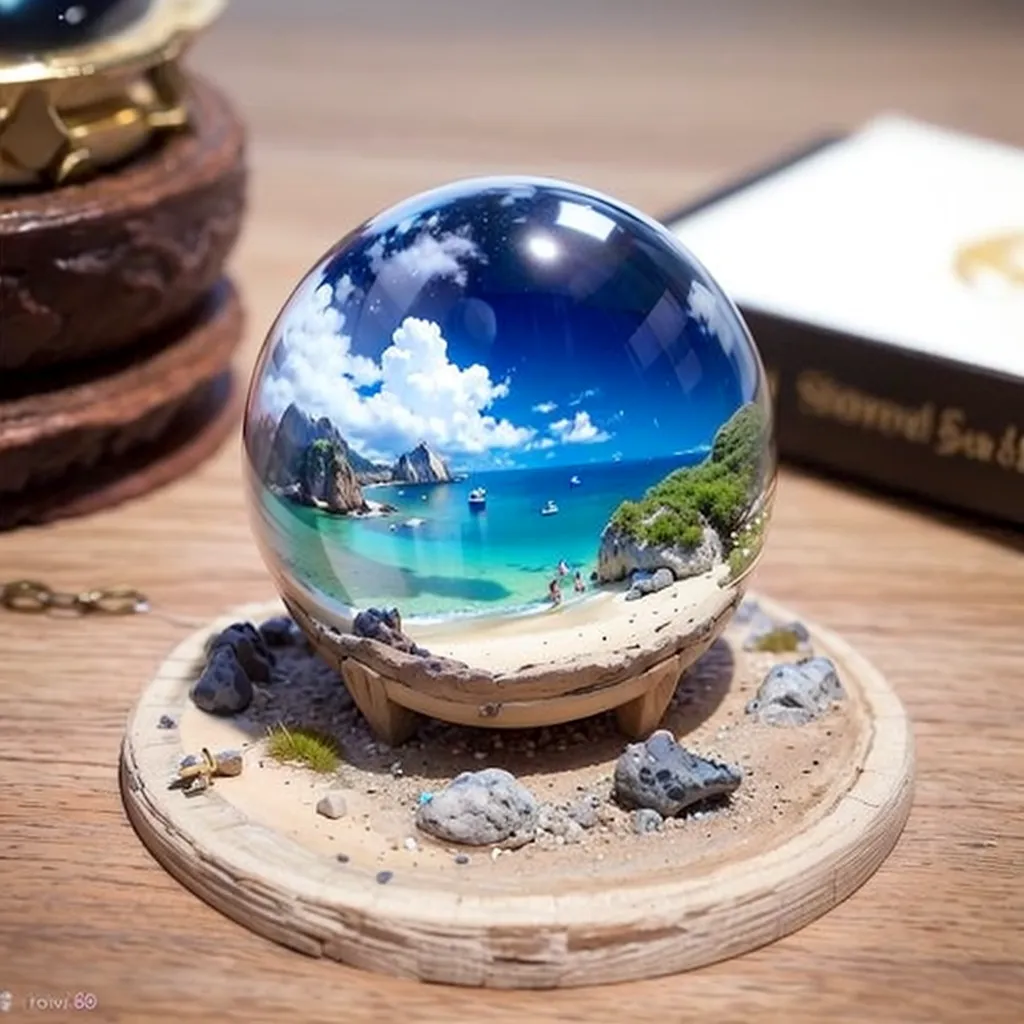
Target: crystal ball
(510, 407)
(33, 26)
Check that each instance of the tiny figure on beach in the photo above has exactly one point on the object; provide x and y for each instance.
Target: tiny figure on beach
(555, 592)
(563, 568)
(577, 584)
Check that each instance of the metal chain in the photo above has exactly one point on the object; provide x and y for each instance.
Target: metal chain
(37, 598)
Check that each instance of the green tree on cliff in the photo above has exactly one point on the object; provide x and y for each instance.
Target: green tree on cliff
(718, 491)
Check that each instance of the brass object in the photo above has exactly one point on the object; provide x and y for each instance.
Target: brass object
(196, 772)
(999, 258)
(33, 597)
(68, 114)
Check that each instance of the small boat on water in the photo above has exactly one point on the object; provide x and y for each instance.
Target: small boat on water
(574, 481)
(478, 498)
(549, 509)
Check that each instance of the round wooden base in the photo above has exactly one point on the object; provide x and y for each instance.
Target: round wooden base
(87, 269)
(527, 930)
(81, 441)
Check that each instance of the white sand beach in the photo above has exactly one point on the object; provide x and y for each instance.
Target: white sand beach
(599, 624)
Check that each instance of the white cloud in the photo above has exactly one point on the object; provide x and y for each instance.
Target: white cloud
(541, 444)
(583, 396)
(578, 430)
(545, 407)
(427, 257)
(418, 393)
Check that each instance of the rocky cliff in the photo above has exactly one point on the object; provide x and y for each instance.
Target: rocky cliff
(281, 459)
(421, 466)
(688, 522)
(621, 554)
(328, 482)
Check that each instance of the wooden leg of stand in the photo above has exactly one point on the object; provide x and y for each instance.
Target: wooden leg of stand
(640, 717)
(390, 721)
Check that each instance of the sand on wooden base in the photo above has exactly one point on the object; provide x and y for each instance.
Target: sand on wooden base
(819, 809)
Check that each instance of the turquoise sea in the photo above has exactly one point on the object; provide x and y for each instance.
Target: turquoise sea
(436, 556)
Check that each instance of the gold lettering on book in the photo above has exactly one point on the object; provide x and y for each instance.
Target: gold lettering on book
(823, 396)
(1006, 453)
(945, 430)
(956, 438)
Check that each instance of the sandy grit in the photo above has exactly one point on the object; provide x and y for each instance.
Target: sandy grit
(789, 774)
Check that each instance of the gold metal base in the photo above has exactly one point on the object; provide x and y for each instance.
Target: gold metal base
(70, 114)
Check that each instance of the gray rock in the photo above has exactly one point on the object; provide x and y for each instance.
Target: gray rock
(166, 722)
(280, 631)
(750, 612)
(646, 820)
(252, 652)
(332, 805)
(797, 694)
(224, 688)
(230, 762)
(573, 832)
(649, 583)
(585, 812)
(661, 775)
(554, 819)
(385, 626)
(480, 808)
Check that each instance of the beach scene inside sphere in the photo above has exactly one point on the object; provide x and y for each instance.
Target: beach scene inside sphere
(505, 398)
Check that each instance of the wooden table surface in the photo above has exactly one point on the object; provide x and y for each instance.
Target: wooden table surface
(352, 107)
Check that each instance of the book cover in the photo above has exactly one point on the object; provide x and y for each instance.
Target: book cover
(882, 276)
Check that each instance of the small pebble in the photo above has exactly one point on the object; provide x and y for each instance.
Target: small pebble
(396, 770)
(646, 820)
(495, 853)
(383, 877)
(342, 858)
(479, 755)
(461, 859)
(332, 805)
(410, 844)
(166, 722)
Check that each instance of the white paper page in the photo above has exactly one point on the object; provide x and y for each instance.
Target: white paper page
(864, 237)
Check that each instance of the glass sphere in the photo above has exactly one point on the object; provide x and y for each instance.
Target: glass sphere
(509, 396)
(34, 26)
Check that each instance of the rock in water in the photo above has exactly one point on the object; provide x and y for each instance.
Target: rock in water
(224, 688)
(661, 775)
(250, 648)
(421, 466)
(797, 694)
(328, 481)
(480, 808)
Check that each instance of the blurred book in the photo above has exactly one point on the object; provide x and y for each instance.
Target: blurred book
(882, 276)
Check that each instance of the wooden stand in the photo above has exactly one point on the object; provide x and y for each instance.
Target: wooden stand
(529, 931)
(88, 269)
(392, 689)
